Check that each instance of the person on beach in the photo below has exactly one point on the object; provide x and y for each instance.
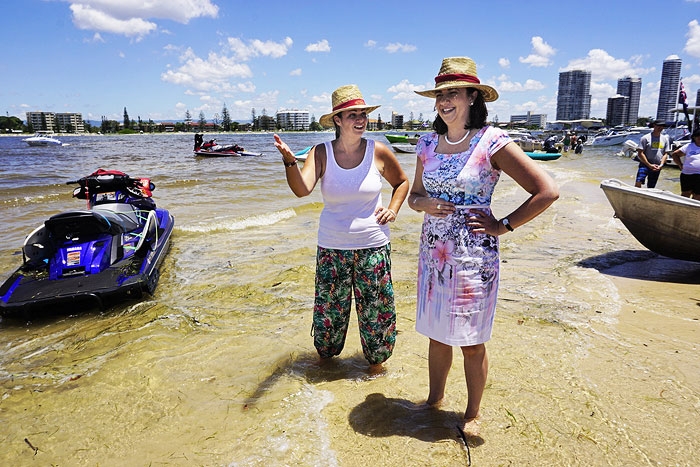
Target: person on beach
(690, 168)
(353, 254)
(457, 169)
(652, 152)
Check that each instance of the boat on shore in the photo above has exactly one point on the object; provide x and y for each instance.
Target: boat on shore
(664, 222)
(543, 156)
(303, 154)
(525, 140)
(43, 139)
(614, 137)
(404, 148)
(397, 138)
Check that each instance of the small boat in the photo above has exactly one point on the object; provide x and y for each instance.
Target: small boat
(543, 156)
(614, 137)
(42, 139)
(525, 140)
(213, 149)
(406, 148)
(397, 138)
(664, 222)
(303, 154)
(112, 250)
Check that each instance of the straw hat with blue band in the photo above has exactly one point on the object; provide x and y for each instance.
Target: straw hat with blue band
(459, 72)
(346, 98)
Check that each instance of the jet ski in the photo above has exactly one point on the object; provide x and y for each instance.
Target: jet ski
(84, 258)
(213, 149)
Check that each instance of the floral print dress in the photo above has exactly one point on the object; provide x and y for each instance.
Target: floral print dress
(458, 269)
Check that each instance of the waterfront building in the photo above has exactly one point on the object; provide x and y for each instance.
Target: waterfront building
(293, 119)
(68, 122)
(618, 111)
(574, 95)
(668, 90)
(396, 120)
(632, 89)
(529, 119)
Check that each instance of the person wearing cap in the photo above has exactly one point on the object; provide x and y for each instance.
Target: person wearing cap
(652, 152)
(353, 253)
(457, 169)
(690, 167)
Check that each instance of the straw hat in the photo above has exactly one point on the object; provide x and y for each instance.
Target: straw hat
(459, 72)
(346, 98)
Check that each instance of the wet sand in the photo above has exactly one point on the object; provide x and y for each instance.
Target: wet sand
(593, 359)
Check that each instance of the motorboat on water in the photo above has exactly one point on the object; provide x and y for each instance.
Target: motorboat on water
(85, 258)
(664, 222)
(525, 140)
(613, 137)
(42, 139)
(302, 154)
(213, 149)
(401, 139)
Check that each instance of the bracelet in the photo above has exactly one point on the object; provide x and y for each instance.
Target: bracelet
(290, 164)
(392, 211)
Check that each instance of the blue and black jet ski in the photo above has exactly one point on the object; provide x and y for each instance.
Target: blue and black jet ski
(110, 251)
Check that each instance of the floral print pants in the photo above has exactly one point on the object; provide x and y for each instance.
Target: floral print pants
(366, 273)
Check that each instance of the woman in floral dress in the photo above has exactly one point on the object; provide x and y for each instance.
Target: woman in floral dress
(457, 170)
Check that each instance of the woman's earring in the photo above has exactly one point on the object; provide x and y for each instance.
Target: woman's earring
(471, 103)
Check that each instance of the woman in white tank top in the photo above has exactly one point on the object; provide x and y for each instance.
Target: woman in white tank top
(353, 255)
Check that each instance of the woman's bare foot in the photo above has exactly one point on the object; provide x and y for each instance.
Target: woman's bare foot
(434, 404)
(471, 426)
(376, 369)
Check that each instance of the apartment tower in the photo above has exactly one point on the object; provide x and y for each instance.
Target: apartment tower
(574, 95)
(668, 91)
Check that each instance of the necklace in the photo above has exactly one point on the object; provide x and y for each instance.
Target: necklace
(457, 142)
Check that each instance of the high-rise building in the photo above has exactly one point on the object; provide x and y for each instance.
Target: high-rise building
(618, 110)
(668, 91)
(574, 95)
(631, 88)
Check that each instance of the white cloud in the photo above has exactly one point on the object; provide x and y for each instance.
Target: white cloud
(320, 46)
(506, 85)
(692, 46)
(371, 44)
(256, 48)
(398, 47)
(504, 62)
(207, 74)
(541, 53)
(131, 18)
(603, 66)
(296, 72)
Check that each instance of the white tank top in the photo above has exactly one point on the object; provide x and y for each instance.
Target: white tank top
(350, 197)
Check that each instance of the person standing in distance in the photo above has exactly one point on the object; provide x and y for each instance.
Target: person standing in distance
(652, 152)
(690, 167)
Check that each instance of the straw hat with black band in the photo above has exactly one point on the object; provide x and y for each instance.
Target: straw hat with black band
(459, 72)
(346, 98)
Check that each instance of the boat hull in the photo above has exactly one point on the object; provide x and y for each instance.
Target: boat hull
(665, 223)
(404, 148)
(543, 156)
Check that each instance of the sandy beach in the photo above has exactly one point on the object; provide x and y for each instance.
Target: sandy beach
(593, 361)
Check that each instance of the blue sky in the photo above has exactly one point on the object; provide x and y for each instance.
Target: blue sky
(160, 58)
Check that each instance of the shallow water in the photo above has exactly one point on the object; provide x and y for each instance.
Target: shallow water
(593, 359)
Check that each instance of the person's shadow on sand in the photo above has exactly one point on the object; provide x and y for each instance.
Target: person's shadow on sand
(379, 416)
